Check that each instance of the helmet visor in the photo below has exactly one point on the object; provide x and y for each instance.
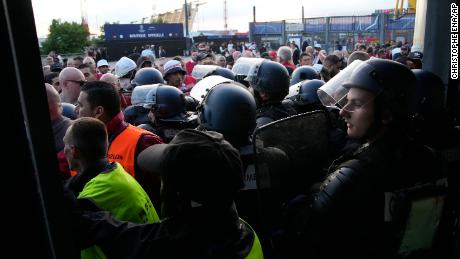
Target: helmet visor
(143, 95)
(243, 65)
(139, 93)
(333, 93)
(294, 90)
(200, 71)
(205, 85)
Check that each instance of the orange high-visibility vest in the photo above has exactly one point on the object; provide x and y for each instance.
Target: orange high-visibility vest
(123, 148)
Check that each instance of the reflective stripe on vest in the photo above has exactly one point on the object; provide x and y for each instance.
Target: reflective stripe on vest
(256, 250)
(123, 148)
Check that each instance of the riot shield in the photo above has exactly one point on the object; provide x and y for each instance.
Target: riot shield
(303, 139)
(416, 219)
(289, 156)
(200, 71)
(201, 88)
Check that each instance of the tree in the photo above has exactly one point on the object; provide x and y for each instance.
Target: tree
(157, 20)
(65, 37)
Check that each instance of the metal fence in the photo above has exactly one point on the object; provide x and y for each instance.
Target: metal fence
(328, 31)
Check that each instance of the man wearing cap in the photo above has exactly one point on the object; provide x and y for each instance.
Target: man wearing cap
(201, 220)
(100, 100)
(70, 81)
(174, 74)
(125, 69)
(316, 53)
(102, 68)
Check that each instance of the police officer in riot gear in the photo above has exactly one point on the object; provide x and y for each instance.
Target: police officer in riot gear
(303, 73)
(432, 124)
(167, 112)
(307, 99)
(136, 114)
(230, 109)
(269, 82)
(344, 217)
(202, 71)
(224, 72)
(435, 128)
(68, 110)
(147, 76)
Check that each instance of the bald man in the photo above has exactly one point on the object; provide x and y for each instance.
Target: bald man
(70, 80)
(59, 125)
(361, 55)
(111, 79)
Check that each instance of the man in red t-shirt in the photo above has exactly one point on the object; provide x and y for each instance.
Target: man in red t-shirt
(285, 58)
(191, 63)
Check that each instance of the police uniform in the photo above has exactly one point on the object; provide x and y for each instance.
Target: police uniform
(272, 111)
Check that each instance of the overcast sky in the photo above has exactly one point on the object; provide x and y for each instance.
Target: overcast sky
(209, 16)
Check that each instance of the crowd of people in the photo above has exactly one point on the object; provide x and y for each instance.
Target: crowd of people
(160, 156)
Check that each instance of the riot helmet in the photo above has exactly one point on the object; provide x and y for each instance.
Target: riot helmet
(68, 110)
(139, 94)
(332, 93)
(303, 73)
(229, 108)
(392, 83)
(242, 67)
(200, 71)
(214, 183)
(224, 72)
(166, 102)
(201, 88)
(269, 77)
(430, 93)
(308, 92)
(190, 103)
(147, 76)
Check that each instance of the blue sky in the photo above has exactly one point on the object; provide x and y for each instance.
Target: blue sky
(210, 14)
